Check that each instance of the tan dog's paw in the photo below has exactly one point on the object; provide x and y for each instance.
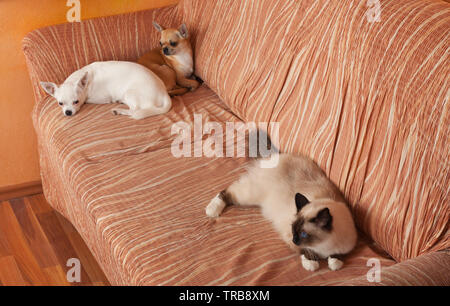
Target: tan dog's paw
(195, 85)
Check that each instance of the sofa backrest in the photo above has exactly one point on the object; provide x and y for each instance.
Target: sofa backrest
(54, 52)
(362, 87)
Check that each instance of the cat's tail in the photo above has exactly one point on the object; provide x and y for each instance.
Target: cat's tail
(260, 144)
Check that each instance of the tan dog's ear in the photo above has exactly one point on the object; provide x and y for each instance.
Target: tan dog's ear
(183, 31)
(49, 88)
(158, 27)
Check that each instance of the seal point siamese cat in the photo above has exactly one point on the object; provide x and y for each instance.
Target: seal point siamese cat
(304, 206)
(173, 61)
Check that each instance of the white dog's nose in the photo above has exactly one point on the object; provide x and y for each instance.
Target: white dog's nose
(68, 113)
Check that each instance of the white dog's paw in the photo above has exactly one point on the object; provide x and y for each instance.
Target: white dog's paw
(120, 111)
(309, 265)
(215, 207)
(334, 263)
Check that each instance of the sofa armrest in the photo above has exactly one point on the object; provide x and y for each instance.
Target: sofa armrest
(53, 53)
(432, 269)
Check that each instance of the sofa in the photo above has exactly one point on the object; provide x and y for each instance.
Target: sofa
(363, 93)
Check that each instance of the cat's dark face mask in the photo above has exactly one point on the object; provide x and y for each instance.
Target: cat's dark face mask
(306, 232)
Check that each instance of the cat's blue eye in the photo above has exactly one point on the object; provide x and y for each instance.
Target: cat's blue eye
(304, 235)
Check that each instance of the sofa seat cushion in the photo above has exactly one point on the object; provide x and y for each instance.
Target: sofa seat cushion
(141, 210)
(95, 134)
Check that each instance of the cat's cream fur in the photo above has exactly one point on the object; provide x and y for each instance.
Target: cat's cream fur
(275, 189)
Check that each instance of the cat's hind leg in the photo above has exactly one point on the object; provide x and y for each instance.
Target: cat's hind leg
(217, 205)
(242, 192)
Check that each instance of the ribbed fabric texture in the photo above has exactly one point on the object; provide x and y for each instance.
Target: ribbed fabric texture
(367, 101)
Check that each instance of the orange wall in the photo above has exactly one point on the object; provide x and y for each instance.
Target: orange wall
(18, 149)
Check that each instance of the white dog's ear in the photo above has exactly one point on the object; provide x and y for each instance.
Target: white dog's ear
(158, 27)
(83, 81)
(183, 31)
(49, 88)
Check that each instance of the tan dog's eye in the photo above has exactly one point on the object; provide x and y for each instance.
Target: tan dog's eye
(160, 43)
(173, 43)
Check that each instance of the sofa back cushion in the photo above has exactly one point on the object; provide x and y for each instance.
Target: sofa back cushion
(53, 53)
(359, 86)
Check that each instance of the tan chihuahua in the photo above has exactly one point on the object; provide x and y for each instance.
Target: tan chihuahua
(172, 62)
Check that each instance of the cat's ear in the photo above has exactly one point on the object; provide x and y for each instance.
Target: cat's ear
(323, 219)
(300, 201)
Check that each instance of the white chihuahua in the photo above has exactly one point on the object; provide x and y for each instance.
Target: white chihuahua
(113, 81)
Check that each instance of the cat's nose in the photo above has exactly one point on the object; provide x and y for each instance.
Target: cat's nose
(68, 113)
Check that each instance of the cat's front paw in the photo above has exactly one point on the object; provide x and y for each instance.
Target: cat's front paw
(309, 265)
(334, 263)
(215, 207)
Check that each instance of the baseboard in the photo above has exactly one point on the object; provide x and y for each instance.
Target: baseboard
(20, 190)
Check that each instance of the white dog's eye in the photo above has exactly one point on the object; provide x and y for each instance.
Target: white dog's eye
(75, 102)
(60, 103)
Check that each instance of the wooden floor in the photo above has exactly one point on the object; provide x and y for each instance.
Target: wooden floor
(35, 244)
